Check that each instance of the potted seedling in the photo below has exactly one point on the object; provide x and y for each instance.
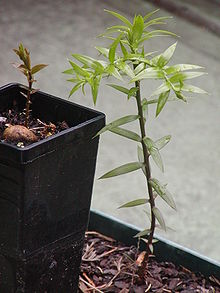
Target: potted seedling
(127, 60)
(47, 164)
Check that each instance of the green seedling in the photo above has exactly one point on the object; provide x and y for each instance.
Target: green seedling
(28, 71)
(127, 61)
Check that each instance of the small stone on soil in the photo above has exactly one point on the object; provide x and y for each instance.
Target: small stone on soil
(19, 133)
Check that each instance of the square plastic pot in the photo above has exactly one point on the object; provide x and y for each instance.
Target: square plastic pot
(45, 195)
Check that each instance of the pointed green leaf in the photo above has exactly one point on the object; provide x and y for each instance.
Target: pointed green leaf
(83, 89)
(126, 133)
(89, 62)
(144, 105)
(125, 68)
(163, 32)
(181, 67)
(158, 20)
(159, 217)
(154, 101)
(154, 152)
(154, 60)
(21, 67)
(163, 192)
(132, 92)
(156, 33)
(24, 55)
(180, 96)
(118, 27)
(79, 70)
(149, 142)
(161, 142)
(118, 122)
(134, 203)
(151, 248)
(113, 71)
(111, 55)
(150, 14)
(142, 233)
(180, 76)
(166, 56)
(149, 73)
(124, 169)
(119, 16)
(74, 80)
(119, 88)
(162, 101)
(140, 154)
(139, 58)
(164, 87)
(75, 88)
(84, 59)
(112, 50)
(103, 51)
(98, 66)
(124, 50)
(37, 68)
(141, 158)
(139, 68)
(95, 88)
(192, 89)
(137, 28)
(69, 71)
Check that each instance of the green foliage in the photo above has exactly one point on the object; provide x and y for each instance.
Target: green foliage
(124, 169)
(154, 152)
(134, 203)
(157, 213)
(118, 122)
(26, 69)
(162, 192)
(126, 133)
(127, 60)
(142, 233)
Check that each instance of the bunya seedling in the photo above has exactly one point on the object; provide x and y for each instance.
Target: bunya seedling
(22, 132)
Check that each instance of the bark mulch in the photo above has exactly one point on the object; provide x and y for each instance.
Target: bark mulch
(109, 266)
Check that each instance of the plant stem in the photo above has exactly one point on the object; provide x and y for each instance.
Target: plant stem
(148, 177)
(28, 102)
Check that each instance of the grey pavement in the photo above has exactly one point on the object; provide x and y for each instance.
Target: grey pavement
(52, 30)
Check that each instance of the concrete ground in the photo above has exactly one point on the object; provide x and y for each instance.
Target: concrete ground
(54, 29)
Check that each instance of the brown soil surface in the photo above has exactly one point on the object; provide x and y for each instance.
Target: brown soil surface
(41, 129)
(108, 266)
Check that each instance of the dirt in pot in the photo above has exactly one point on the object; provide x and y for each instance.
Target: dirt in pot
(109, 266)
(13, 131)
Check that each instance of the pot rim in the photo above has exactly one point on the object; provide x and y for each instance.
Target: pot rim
(99, 116)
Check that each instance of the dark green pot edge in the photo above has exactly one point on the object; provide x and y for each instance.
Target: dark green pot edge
(164, 250)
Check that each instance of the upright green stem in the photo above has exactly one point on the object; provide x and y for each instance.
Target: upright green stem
(28, 102)
(148, 177)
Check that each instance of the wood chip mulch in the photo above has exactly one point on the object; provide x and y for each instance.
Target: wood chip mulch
(109, 266)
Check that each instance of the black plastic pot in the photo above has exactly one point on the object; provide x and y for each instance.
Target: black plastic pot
(45, 195)
(164, 250)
